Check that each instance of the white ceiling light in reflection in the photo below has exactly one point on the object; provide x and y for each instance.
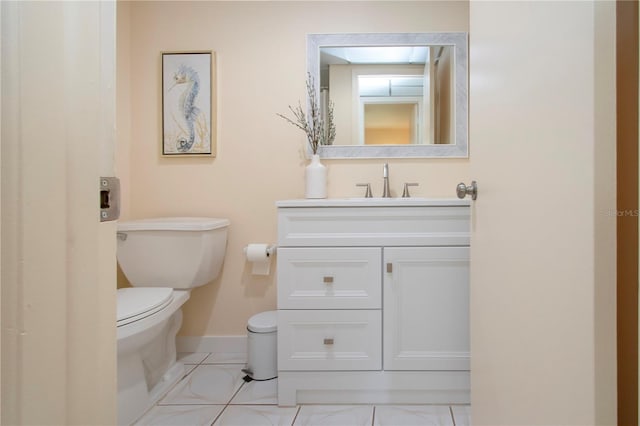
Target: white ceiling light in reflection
(377, 54)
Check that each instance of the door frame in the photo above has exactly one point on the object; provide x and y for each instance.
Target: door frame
(627, 209)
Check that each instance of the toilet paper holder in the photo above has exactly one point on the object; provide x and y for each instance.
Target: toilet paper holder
(270, 250)
(260, 255)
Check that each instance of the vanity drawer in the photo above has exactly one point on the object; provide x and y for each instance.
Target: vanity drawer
(329, 278)
(373, 226)
(329, 340)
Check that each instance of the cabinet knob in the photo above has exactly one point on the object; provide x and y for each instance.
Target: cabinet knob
(328, 341)
(389, 267)
(327, 280)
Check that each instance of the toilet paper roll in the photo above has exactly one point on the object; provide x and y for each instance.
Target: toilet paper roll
(258, 254)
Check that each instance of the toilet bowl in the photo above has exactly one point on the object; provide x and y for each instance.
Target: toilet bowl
(163, 259)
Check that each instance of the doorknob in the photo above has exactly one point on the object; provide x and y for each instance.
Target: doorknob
(463, 190)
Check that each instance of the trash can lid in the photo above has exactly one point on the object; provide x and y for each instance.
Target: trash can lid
(264, 322)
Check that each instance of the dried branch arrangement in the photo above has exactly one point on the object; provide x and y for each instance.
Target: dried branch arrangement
(318, 132)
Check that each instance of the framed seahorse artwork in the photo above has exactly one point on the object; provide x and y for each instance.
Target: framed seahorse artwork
(188, 104)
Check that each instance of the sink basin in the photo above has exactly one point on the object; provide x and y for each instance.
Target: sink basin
(373, 202)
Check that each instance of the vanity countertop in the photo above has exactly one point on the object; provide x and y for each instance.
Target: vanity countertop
(374, 202)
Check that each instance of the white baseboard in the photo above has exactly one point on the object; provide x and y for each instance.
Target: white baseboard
(218, 344)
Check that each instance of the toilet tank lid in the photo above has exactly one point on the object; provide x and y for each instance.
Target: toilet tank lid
(173, 224)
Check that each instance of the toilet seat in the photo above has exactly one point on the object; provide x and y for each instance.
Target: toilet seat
(140, 302)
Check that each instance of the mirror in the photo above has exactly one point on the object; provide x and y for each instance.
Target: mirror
(393, 95)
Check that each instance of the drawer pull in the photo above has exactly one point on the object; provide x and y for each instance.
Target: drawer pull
(327, 280)
(328, 341)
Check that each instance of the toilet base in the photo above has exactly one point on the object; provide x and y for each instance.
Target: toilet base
(137, 400)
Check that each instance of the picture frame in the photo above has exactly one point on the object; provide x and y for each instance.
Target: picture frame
(188, 104)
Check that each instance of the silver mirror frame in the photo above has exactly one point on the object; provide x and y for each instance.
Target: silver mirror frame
(459, 40)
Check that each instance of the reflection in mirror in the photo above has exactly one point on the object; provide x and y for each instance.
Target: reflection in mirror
(394, 95)
(393, 123)
(392, 87)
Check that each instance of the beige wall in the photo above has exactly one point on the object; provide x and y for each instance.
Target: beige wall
(261, 56)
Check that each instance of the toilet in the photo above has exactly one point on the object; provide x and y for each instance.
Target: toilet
(163, 259)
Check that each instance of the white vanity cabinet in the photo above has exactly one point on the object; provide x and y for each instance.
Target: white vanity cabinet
(373, 301)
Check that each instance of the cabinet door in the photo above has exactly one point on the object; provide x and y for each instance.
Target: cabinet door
(426, 308)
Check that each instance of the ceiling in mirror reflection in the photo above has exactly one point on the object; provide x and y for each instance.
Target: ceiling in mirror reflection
(374, 55)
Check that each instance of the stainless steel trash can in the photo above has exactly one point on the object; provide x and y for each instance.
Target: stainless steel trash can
(262, 363)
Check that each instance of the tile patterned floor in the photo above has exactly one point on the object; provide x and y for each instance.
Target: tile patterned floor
(213, 393)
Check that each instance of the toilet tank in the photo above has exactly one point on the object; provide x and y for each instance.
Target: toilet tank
(175, 252)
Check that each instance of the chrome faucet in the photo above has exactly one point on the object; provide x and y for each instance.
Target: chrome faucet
(385, 175)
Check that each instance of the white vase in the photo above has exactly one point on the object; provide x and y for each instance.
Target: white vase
(316, 179)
